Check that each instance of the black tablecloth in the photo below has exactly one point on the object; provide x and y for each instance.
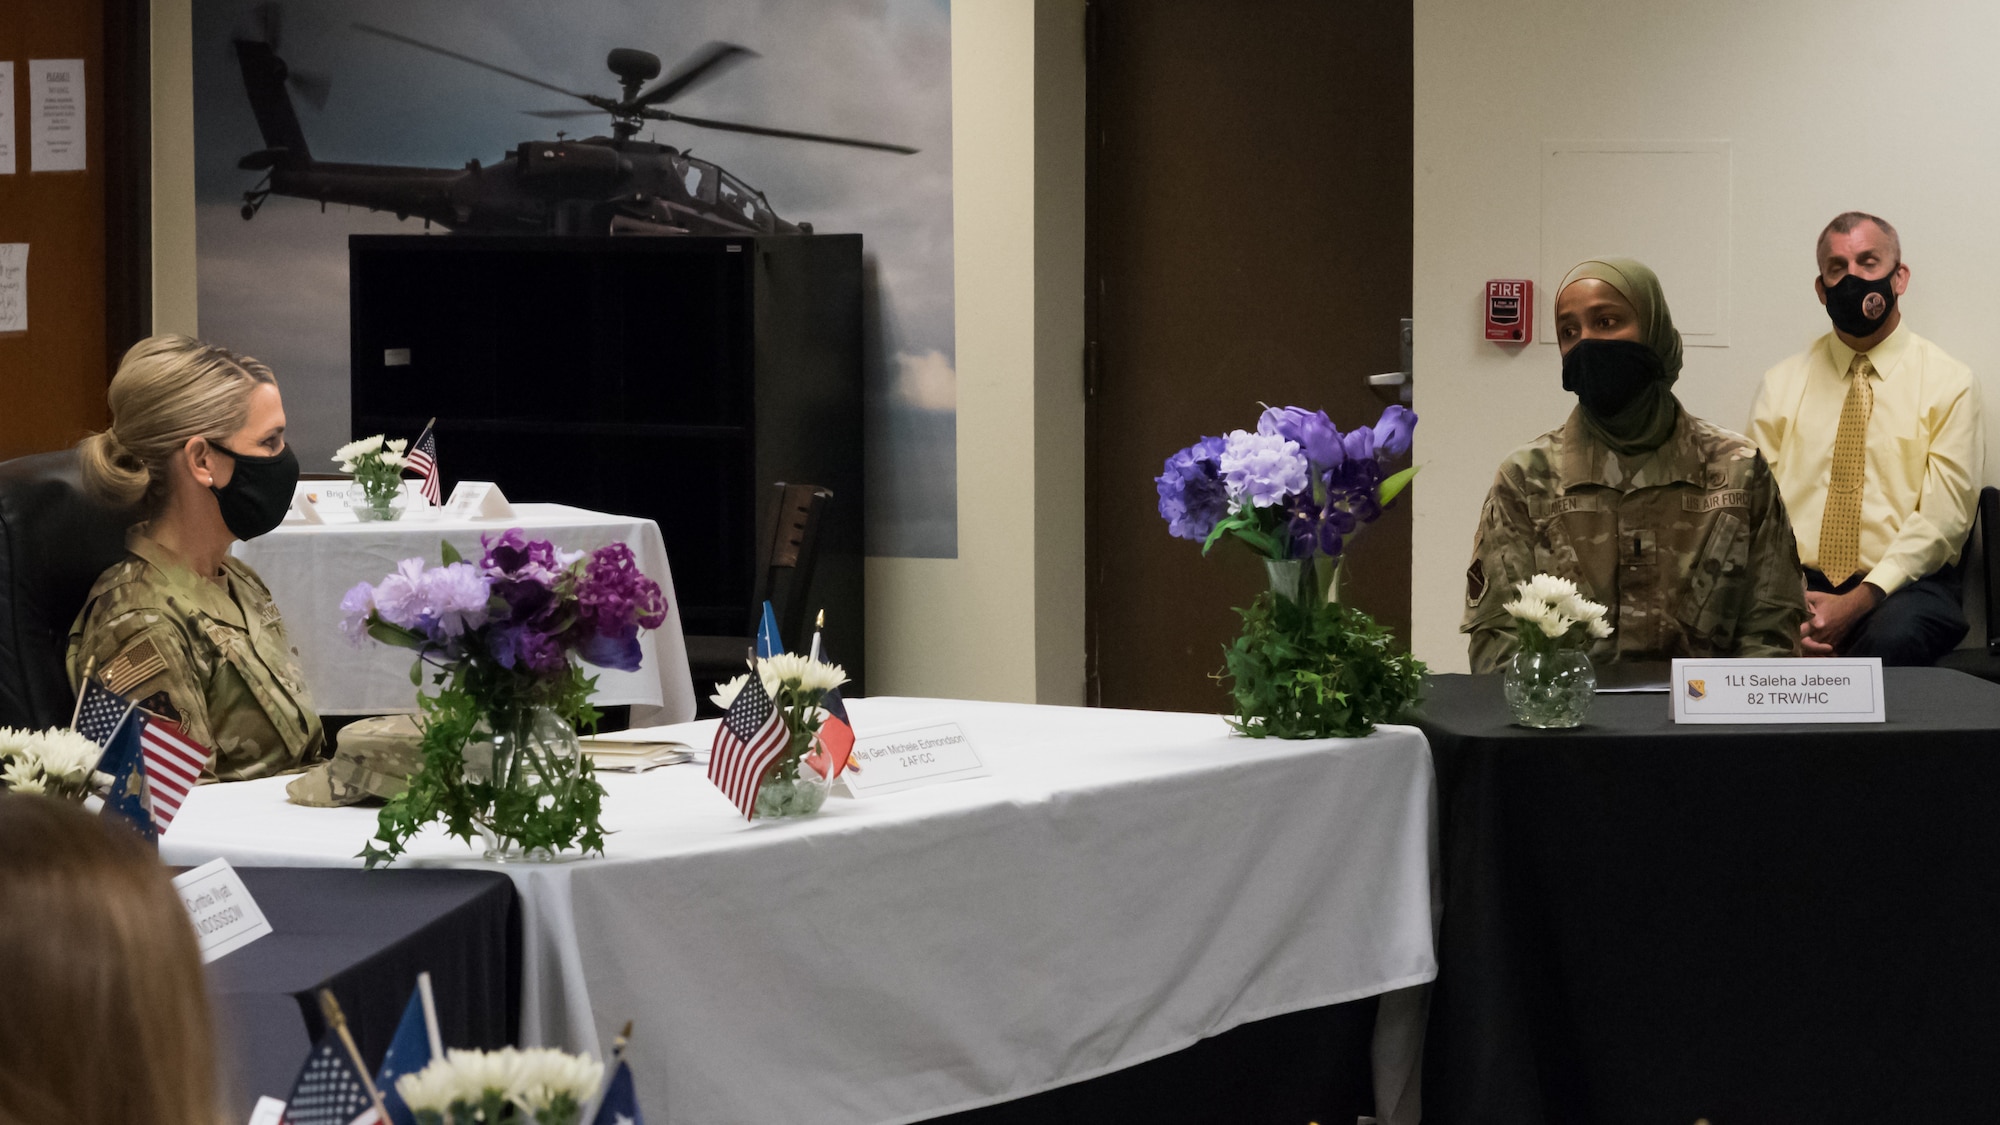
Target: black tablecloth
(366, 935)
(1652, 923)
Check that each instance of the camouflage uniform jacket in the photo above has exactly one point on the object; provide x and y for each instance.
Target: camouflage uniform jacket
(1687, 545)
(212, 654)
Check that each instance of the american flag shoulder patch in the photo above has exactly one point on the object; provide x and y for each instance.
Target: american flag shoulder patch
(137, 664)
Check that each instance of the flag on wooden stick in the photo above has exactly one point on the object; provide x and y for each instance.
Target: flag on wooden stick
(751, 737)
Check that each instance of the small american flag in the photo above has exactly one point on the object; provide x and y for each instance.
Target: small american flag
(173, 764)
(423, 458)
(751, 737)
(329, 1091)
(100, 712)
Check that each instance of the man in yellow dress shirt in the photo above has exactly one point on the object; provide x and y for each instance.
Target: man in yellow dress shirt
(1881, 478)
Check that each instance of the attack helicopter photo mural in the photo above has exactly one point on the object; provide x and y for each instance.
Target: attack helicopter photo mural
(616, 185)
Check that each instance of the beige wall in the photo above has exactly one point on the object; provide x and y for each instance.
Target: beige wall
(1004, 620)
(1826, 107)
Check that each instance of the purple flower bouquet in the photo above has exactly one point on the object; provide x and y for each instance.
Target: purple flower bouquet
(1297, 491)
(506, 639)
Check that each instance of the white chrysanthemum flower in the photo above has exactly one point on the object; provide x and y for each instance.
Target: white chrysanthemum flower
(542, 1075)
(20, 772)
(790, 669)
(357, 449)
(725, 693)
(432, 1089)
(393, 460)
(12, 741)
(26, 785)
(396, 445)
(1598, 628)
(1555, 625)
(65, 755)
(1549, 588)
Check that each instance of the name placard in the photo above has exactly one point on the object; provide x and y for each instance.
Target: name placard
(910, 756)
(225, 917)
(1836, 690)
(478, 500)
(305, 502)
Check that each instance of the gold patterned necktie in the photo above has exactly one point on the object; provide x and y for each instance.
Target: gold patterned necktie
(1840, 524)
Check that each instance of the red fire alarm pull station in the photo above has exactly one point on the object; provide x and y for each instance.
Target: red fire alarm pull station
(1510, 311)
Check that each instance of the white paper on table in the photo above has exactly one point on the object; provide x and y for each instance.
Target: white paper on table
(478, 500)
(55, 115)
(13, 287)
(269, 1111)
(7, 167)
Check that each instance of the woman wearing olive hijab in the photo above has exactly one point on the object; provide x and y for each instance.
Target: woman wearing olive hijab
(1672, 523)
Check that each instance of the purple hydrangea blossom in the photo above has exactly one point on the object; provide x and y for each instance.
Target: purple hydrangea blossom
(614, 599)
(1192, 497)
(1261, 470)
(1312, 430)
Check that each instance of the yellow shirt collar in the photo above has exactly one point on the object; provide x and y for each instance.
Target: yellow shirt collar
(1885, 357)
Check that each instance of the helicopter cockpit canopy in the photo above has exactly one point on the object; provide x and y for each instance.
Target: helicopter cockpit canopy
(739, 198)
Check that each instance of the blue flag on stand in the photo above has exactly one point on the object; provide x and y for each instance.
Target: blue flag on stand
(768, 643)
(621, 1104)
(409, 1052)
(106, 718)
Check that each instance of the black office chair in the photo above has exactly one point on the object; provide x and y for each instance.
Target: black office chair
(1983, 661)
(54, 542)
(787, 551)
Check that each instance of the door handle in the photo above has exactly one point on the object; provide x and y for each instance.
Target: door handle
(1394, 386)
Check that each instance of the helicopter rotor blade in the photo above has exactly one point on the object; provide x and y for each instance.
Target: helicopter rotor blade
(766, 131)
(313, 86)
(436, 50)
(270, 18)
(707, 63)
(562, 114)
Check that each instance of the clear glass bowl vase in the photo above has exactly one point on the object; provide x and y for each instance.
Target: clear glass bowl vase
(1550, 690)
(532, 757)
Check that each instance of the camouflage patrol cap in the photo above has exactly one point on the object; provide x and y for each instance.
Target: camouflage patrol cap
(375, 759)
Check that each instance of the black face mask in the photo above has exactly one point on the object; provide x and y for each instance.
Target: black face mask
(259, 493)
(1860, 308)
(1609, 375)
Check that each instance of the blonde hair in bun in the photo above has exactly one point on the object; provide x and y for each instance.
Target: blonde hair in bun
(167, 389)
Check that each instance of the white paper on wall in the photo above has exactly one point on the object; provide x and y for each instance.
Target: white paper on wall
(55, 115)
(6, 117)
(13, 287)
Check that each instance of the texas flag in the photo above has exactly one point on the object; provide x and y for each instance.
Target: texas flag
(836, 738)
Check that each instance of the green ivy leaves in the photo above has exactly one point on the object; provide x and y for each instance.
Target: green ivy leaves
(1316, 671)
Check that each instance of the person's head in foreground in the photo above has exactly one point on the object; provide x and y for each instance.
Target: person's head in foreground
(103, 1017)
(196, 443)
(1620, 352)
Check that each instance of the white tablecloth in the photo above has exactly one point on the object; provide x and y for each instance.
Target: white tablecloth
(309, 566)
(1125, 884)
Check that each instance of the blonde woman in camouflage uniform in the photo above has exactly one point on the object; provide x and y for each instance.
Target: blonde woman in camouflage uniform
(197, 444)
(1674, 524)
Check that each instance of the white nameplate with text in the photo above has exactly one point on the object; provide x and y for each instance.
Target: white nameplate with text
(225, 917)
(478, 500)
(1835, 690)
(910, 756)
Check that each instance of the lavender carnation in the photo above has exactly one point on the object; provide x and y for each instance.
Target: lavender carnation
(1192, 497)
(355, 606)
(399, 600)
(455, 599)
(1261, 469)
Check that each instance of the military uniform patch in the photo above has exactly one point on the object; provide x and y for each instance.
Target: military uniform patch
(1475, 583)
(133, 667)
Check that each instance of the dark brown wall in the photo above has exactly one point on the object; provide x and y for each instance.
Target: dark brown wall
(52, 377)
(1250, 241)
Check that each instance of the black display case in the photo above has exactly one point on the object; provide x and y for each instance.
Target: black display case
(670, 378)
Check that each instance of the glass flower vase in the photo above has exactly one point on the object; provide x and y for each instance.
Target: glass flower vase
(529, 762)
(1549, 690)
(370, 507)
(793, 788)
